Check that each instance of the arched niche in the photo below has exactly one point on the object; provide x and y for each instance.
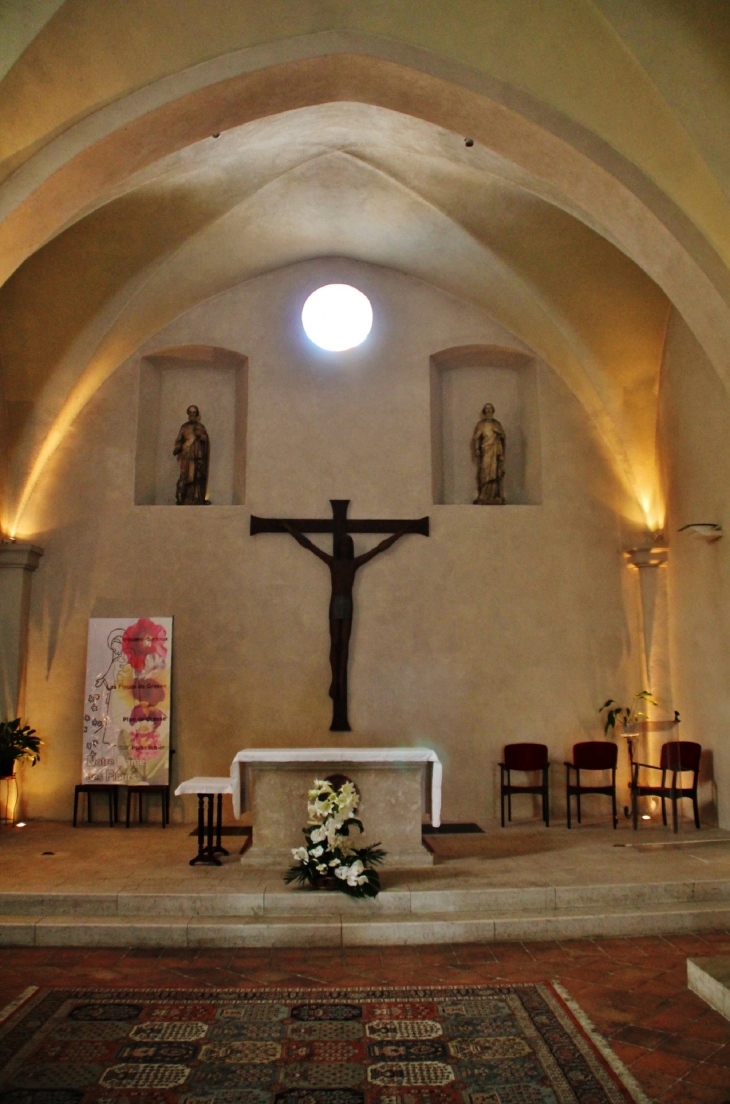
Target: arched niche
(216, 381)
(463, 379)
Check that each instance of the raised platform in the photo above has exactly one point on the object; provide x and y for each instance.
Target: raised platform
(113, 887)
(709, 978)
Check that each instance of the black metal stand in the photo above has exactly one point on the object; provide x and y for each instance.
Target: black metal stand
(207, 848)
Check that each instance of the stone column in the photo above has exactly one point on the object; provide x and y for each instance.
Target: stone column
(654, 601)
(17, 563)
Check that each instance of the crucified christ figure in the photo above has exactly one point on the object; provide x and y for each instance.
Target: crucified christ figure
(343, 566)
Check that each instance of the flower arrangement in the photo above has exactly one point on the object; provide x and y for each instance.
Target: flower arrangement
(330, 856)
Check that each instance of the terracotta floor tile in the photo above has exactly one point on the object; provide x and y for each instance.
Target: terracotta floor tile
(668, 1065)
(683, 1093)
(643, 1037)
(721, 1057)
(712, 1077)
(654, 1082)
(710, 1025)
(675, 1016)
(627, 1052)
(689, 1046)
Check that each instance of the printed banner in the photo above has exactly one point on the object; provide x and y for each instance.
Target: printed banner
(127, 705)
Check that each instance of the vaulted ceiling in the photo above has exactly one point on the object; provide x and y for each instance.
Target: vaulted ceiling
(595, 193)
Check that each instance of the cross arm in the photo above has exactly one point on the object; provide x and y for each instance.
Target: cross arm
(276, 525)
(389, 525)
(325, 525)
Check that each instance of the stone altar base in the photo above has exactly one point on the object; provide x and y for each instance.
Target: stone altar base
(390, 809)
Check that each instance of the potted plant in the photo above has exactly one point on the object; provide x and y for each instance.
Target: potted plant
(628, 716)
(17, 741)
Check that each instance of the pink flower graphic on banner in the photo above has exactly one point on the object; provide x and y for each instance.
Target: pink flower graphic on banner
(144, 746)
(146, 719)
(148, 691)
(144, 639)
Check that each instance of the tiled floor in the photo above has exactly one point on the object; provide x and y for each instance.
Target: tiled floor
(634, 990)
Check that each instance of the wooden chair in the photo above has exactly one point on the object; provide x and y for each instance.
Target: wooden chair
(677, 757)
(110, 789)
(529, 758)
(142, 791)
(594, 755)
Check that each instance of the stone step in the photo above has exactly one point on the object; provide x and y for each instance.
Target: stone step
(265, 902)
(347, 929)
(709, 978)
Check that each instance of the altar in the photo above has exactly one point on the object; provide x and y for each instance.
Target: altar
(396, 785)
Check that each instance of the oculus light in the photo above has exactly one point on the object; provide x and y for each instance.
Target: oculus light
(337, 317)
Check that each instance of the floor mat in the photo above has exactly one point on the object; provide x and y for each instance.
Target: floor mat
(513, 1044)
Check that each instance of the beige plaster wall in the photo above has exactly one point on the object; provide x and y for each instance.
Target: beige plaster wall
(509, 623)
(695, 442)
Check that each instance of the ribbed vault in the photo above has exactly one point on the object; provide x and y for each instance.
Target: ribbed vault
(342, 136)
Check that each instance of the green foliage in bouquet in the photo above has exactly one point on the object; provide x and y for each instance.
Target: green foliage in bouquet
(329, 852)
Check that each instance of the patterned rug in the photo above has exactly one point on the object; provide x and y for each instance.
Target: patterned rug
(514, 1044)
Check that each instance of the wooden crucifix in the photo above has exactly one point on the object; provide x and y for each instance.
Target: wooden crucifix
(343, 563)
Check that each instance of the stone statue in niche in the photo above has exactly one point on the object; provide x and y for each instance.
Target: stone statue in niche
(487, 451)
(192, 449)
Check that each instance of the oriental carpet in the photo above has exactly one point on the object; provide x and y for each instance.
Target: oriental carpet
(510, 1044)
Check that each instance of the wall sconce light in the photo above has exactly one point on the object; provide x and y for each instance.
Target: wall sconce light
(704, 530)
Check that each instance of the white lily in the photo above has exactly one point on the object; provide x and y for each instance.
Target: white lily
(300, 854)
(355, 874)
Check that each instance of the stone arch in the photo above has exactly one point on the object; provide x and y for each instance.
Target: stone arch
(550, 156)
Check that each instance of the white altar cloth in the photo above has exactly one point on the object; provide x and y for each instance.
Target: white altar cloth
(341, 755)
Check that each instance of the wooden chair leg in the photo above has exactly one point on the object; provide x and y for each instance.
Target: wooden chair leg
(129, 804)
(76, 806)
(675, 820)
(577, 793)
(635, 799)
(695, 806)
(501, 792)
(110, 800)
(545, 798)
(567, 792)
(613, 798)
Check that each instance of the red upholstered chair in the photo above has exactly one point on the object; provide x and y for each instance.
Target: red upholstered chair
(594, 755)
(678, 757)
(529, 758)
